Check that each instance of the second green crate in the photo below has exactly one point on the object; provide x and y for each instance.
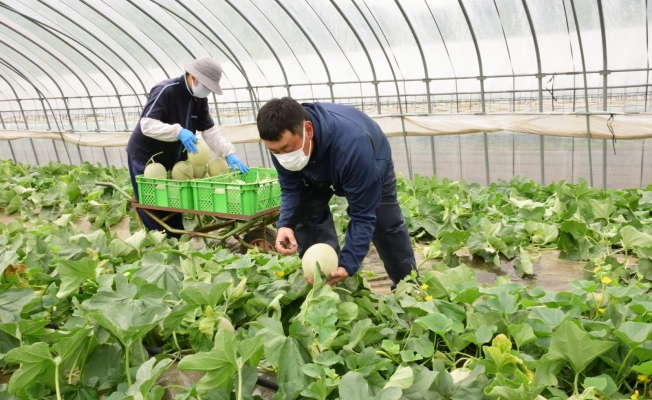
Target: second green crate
(235, 193)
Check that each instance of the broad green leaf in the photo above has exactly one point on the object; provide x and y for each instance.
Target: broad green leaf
(436, 322)
(485, 333)
(575, 345)
(70, 346)
(552, 317)
(645, 368)
(219, 364)
(164, 276)
(283, 352)
(127, 316)
(522, 334)
(602, 208)
(327, 358)
(201, 294)
(73, 274)
(603, 383)
(634, 334)
(523, 264)
(353, 386)
(251, 350)
(633, 238)
(7, 258)
(36, 364)
(146, 376)
(402, 378)
(104, 367)
(12, 302)
(503, 302)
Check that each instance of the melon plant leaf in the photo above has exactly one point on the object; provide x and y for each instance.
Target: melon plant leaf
(162, 275)
(146, 376)
(575, 345)
(522, 334)
(200, 294)
(127, 315)
(633, 238)
(219, 364)
(12, 302)
(8, 257)
(283, 352)
(353, 386)
(402, 378)
(104, 367)
(36, 364)
(436, 322)
(645, 368)
(503, 302)
(73, 274)
(634, 334)
(603, 383)
(68, 347)
(552, 317)
(251, 350)
(523, 264)
(423, 380)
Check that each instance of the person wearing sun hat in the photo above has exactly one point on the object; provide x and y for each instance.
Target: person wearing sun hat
(175, 110)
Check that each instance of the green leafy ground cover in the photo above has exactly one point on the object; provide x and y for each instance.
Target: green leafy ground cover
(444, 337)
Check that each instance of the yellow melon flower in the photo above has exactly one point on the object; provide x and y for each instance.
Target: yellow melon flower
(606, 280)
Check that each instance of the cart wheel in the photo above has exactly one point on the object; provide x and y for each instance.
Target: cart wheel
(262, 239)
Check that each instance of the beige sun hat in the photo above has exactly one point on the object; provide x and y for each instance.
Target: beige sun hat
(207, 71)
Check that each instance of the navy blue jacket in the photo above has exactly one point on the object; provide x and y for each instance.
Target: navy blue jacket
(169, 102)
(350, 156)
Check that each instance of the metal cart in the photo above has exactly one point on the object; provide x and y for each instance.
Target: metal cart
(249, 230)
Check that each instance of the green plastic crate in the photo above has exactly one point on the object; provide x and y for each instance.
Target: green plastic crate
(228, 195)
(165, 192)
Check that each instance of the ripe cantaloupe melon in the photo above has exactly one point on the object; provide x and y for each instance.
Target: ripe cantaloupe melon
(155, 170)
(201, 157)
(199, 172)
(217, 166)
(323, 254)
(182, 171)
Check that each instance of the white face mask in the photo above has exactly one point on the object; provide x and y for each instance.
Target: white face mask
(200, 90)
(295, 160)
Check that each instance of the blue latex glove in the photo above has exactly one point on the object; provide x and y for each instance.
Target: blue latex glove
(188, 139)
(233, 160)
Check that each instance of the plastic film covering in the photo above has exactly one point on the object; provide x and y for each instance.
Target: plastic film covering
(467, 89)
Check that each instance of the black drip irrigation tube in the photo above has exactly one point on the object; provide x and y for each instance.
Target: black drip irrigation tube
(153, 351)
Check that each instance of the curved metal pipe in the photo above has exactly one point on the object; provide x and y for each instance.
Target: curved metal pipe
(235, 64)
(310, 85)
(314, 46)
(366, 52)
(59, 34)
(540, 76)
(450, 60)
(269, 46)
(252, 96)
(586, 91)
(481, 78)
(128, 65)
(85, 2)
(88, 93)
(398, 91)
(604, 74)
(423, 57)
(49, 76)
(340, 47)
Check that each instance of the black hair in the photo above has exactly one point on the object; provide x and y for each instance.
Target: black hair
(278, 116)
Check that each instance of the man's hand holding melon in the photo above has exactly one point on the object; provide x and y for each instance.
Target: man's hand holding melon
(321, 253)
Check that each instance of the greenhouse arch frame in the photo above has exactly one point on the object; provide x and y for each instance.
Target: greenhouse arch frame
(477, 90)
